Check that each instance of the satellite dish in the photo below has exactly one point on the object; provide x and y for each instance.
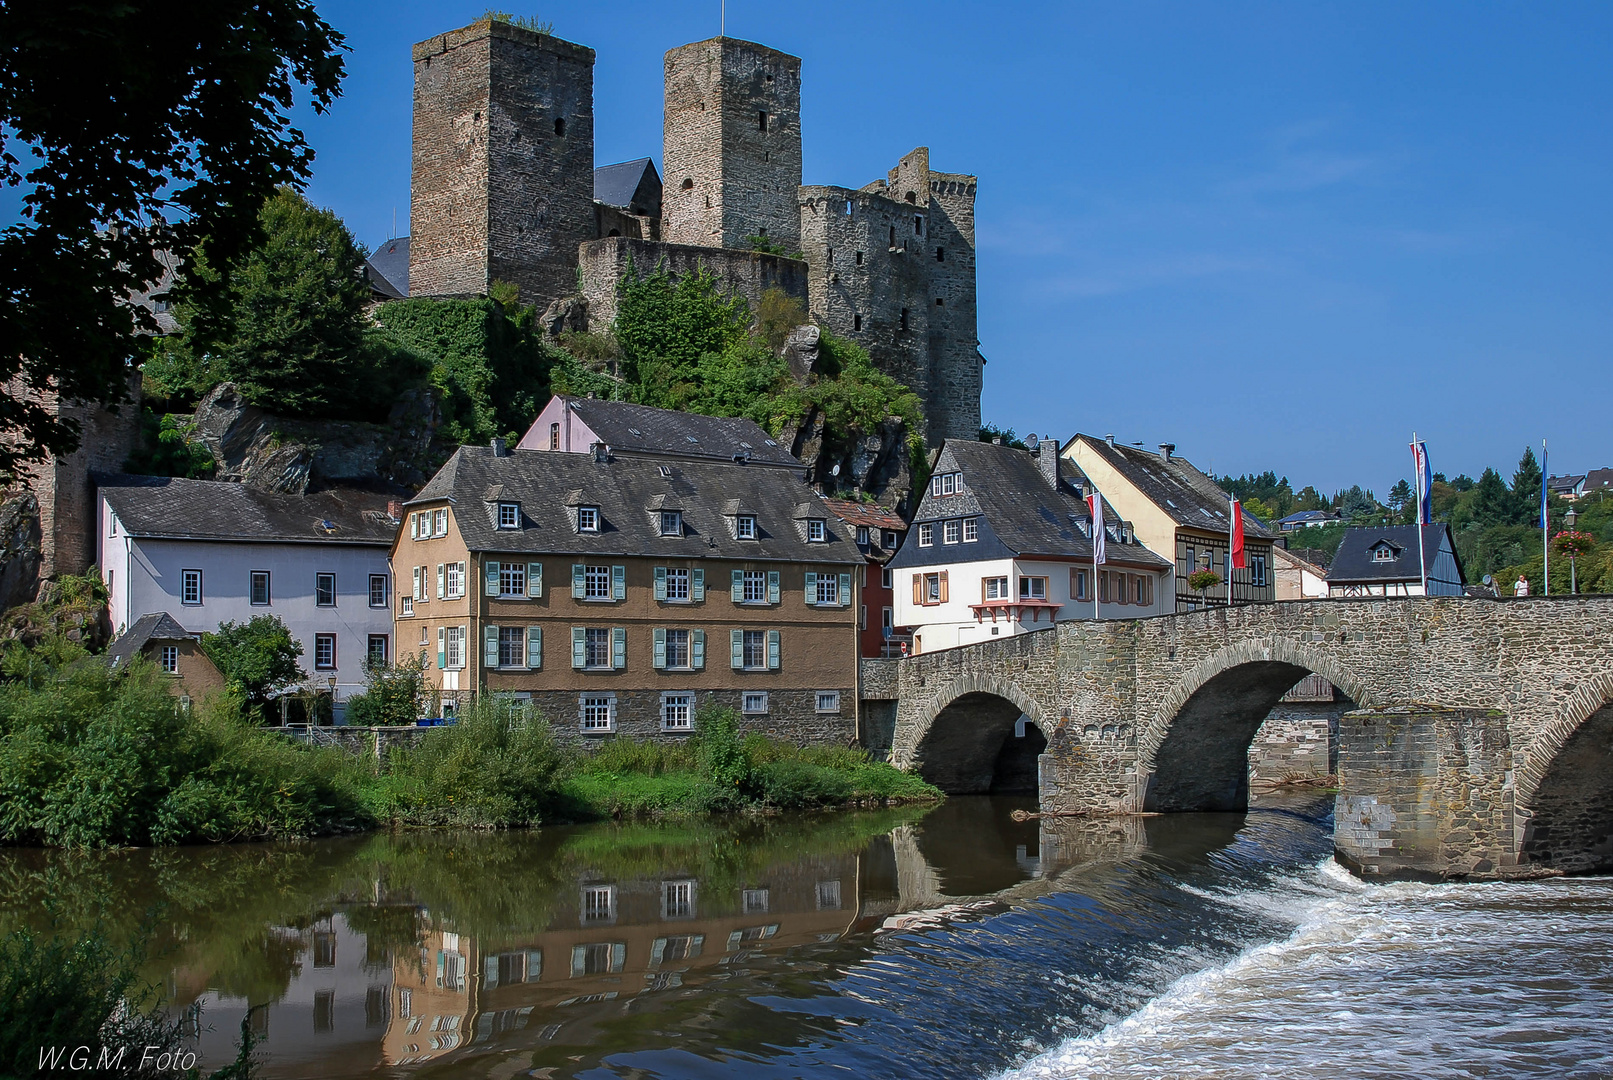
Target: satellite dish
(1488, 580)
(835, 471)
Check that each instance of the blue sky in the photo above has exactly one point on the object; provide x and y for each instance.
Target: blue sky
(1279, 235)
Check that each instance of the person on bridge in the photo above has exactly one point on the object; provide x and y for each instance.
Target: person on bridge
(1521, 586)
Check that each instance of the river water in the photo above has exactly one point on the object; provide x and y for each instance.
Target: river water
(954, 943)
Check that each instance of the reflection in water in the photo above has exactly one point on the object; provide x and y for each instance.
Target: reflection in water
(906, 944)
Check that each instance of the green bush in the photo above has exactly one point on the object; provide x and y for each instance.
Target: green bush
(791, 784)
(497, 767)
(256, 658)
(724, 758)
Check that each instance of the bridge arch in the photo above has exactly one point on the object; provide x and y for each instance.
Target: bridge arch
(1565, 783)
(966, 729)
(1193, 752)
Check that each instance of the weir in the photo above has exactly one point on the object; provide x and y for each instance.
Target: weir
(1481, 741)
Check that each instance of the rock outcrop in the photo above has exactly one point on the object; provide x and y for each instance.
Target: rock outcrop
(875, 463)
(264, 451)
(20, 550)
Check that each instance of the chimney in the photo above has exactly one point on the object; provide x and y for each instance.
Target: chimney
(394, 510)
(1110, 439)
(500, 449)
(601, 453)
(1166, 449)
(1047, 460)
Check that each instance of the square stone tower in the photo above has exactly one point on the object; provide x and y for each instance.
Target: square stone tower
(503, 179)
(731, 162)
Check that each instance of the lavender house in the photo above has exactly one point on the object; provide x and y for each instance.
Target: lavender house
(207, 552)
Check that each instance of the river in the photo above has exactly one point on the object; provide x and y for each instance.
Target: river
(953, 943)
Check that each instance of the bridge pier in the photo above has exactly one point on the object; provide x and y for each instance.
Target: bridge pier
(1424, 793)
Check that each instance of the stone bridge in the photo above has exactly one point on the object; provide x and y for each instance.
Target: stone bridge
(1481, 739)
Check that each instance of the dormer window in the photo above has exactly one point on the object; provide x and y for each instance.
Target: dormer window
(671, 523)
(1383, 553)
(509, 515)
(817, 531)
(588, 519)
(745, 527)
(862, 536)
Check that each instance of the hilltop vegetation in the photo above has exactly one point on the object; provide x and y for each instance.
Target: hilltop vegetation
(1495, 523)
(297, 334)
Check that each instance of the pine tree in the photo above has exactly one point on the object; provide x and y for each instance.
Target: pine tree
(1526, 483)
(1491, 502)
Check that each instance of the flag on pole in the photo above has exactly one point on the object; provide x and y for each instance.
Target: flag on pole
(1545, 522)
(1425, 483)
(1238, 561)
(1095, 507)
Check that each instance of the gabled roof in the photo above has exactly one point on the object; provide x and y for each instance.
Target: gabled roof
(160, 626)
(1354, 562)
(628, 492)
(1183, 493)
(1021, 513)
(642, 429)
(388, 268)
(1598, 478)
(1564, 483)
(1317, 557)
(165, 507)
(1308, 515)
(866, 514)
(629, 185)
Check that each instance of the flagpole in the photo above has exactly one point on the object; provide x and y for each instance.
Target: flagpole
(1418, 460)
(1545, 527)
(1232, 528)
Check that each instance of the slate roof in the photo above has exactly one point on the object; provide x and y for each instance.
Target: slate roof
(625, 489)
(1564, 483)
(1353, 561)
(388, 268)
(1188, 496)
(1020, 513)
(1307, 515)
(146, 629)
(1317, 557)
(1598, 478)
(641, 429)
(164, 507)
(620, 184)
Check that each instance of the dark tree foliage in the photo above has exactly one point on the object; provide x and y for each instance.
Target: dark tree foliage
(256, 657)
(1356, 502)
(1526, 481)
(989, 432)
(293, 331)
(1273, 493)
(169, 446)
(1491, 502)
(134, 129)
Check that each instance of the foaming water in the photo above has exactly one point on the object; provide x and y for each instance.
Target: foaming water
(1470, 980)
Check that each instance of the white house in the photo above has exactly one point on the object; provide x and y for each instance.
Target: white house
(207, 552)
(999, 546)
(1300, 574)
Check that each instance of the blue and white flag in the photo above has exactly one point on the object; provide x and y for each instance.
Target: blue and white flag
(1544, 521)
(1425, 483)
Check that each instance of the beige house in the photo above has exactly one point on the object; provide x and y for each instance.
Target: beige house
(623, 594)
(1180, 513)
(1299, 577)
(189, 674)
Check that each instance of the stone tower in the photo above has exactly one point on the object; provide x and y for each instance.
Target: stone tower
(503, 178)
(731, 161)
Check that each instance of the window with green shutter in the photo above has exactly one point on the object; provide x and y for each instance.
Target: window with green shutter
(811, 589)
(490, 579)
(534, 579)
(845, 590)
(697, 586)
(579, 581)
(737, 587)
(660, 647)
(660, 584)
(618, 647)
(440, 572)
(773, 650)
(490, 646)
(442, 647)
(618, 582)
(697, 649)
(736, 642)
(534, 647)
(579, 647)
(772, 586)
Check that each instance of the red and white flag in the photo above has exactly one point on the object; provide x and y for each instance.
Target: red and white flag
(1095, 507)
(1238, 562)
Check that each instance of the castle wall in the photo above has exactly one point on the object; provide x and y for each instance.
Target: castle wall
(748, 273)
(728, 173)
(502, 185)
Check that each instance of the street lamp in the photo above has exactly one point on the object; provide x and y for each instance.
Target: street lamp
(1573, 581)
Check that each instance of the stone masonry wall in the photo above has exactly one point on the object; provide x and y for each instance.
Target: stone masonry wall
(792, 716)
(1296, 742)
(502, 185)
(748, 273)
(728, 172)
(1424, 793)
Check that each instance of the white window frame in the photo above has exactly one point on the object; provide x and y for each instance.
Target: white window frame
(862, 535)
(190, 587)
(320, 641)
(591, 576)
(828, 701)
(971, 530)
(754, 702)
(590, 722)
(949, 483)
(319, 583)
(745, 663)
(168, 659)
(439, 522)
(1257, 570)
(509, 515)
(682, 576)
(672, 523)
(745, 527)
(518, 635)
(512, 580)
(927, 534)
(454, 581)
(688, 649)
(598, 905)
(758, 578)
(887, 577)
(952, 531)
(386, 647)
(828, 592)
(678, 899)
(890, 538)
(677, 712)
(1037, 591)
(385, 583)
(587, 646)
(587, 519)
(817, 531)
(252, 588)
(454, 648)
(996, 588)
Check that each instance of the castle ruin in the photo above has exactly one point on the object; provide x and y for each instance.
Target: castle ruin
(504, 188)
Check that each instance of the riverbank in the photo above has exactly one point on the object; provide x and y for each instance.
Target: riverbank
(89, 758)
